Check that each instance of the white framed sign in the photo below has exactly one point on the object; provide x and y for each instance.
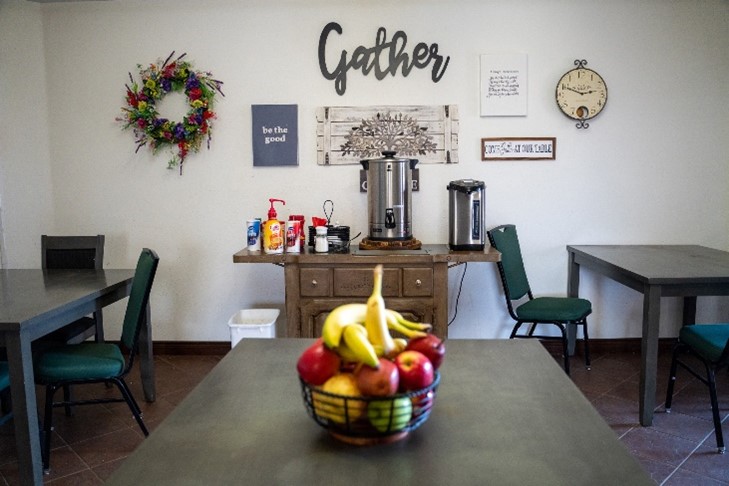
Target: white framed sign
(513, 148)
(504, 84)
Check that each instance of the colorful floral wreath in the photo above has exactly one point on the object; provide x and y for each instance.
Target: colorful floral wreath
(141, 114)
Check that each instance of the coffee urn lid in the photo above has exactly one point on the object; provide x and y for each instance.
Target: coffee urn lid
(388, 156)
(466, 185)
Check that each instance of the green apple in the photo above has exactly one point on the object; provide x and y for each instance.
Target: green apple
(390, 415)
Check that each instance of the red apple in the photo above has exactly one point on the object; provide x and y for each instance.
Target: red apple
(318, 363)
(431, 346)
(416, 370)
(379, 382)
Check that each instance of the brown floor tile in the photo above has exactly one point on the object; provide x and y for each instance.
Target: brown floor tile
(109, 447)
(648, 443)
(687, 478)
(706, 461)
(86, 477)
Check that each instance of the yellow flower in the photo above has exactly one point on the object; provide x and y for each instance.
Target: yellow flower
(150, 83)
(197, 104)
(142, 105)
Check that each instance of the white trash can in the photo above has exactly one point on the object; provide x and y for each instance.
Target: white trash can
(252, 323)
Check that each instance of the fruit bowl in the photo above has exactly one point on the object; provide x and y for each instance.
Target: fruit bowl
(368, 420)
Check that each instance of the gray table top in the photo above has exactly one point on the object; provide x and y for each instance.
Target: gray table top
(27, 295)
(505, 413)
(658, 264)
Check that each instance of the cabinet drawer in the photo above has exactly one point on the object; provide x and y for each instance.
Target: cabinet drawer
(417, 282)
(315, 282)
(357, 282)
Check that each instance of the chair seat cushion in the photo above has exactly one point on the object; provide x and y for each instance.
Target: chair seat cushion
(708, 340)
(4, 375)
(554, 309)
(85, 361)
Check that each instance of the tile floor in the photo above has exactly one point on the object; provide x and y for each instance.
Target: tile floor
(679, 449)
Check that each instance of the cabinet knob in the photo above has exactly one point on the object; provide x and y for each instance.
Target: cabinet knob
(418, 283)
(314, 283)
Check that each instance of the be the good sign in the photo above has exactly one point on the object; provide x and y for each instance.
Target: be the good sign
(385, 57)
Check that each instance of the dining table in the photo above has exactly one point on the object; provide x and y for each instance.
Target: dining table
(36, 302)
(504, 413)
(656, 271)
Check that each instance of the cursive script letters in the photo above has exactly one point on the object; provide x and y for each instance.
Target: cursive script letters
(369, 59)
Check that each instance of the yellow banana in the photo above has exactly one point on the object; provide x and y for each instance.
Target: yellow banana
(345, 353)
(400, 345)
(339, 319)
(375, 320)
(355, 337)
(417, 326)
(396, 325)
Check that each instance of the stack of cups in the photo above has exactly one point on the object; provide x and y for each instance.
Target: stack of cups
(293, 240)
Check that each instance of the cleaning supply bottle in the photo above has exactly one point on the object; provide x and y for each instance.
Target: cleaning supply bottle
(273, 232)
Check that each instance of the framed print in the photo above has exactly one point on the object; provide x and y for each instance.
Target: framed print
(513, 148)
(504, 84)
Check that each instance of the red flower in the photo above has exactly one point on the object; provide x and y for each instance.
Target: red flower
(207, 114)
(132, 98)
(194, 94)
(141, 122)
(169, 70)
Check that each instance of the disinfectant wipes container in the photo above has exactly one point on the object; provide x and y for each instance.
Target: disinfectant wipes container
(252, 323)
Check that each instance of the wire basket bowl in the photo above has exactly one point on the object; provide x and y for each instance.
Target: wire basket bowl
(368, 420)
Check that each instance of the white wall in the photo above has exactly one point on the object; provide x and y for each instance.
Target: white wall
(652, 168)
(26, 191)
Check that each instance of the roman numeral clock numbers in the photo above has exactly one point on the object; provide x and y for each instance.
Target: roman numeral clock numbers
(581, 94)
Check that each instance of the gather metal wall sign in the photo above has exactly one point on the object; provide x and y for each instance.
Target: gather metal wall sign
(385, 57)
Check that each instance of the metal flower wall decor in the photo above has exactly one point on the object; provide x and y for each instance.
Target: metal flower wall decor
(399, 133)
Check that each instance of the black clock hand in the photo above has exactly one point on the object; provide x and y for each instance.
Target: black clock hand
(578, 92)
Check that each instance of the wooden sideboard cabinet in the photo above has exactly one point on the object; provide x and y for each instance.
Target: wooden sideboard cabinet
(415, 283)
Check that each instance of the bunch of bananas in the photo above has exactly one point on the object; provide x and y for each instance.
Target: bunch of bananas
(360, 332)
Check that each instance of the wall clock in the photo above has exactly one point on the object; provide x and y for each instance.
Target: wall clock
(581, 94)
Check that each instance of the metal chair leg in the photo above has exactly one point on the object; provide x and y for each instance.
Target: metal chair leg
(672, 379)
(132, 403)
(47, 429)
(715, 410)
(587, 344)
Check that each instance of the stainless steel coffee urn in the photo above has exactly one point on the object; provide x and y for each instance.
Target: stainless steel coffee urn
(389, 194)
(466, 209)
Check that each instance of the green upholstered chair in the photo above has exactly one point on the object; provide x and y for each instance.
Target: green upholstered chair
(74, 252)
(525, 308)
(709, 343)
(90, 362)
(5, 414)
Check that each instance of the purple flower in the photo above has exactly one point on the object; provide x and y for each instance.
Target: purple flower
(192, 82)
(166, 84)
(179, 131)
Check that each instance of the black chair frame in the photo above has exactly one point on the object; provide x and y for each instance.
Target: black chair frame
(118, 380)
(561, 325)
(708, 378)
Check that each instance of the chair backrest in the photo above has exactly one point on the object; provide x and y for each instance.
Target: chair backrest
(511, 267)
(139, 297)
(70, 252)
(4, 375)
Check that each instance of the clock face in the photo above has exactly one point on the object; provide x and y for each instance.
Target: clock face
(581, 94)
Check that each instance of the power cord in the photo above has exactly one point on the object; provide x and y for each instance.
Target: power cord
(458, 297)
